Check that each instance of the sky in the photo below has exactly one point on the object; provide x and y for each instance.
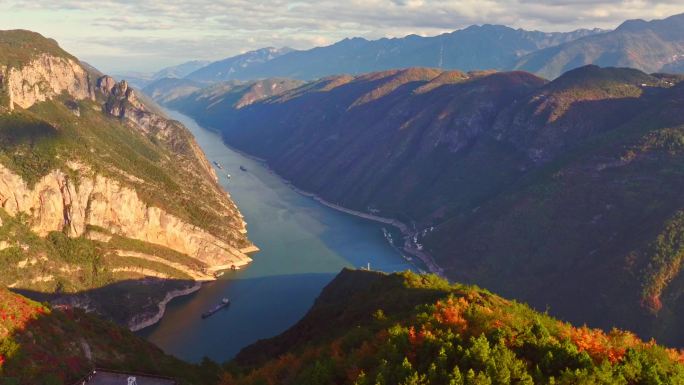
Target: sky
(123, 36)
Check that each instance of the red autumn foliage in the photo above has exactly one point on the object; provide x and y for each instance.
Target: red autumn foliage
(601, 346)
(449, 312)
(676, 355)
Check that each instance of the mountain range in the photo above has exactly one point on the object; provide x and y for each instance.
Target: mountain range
(651, 46)
(563, 194)
(141, 79)
(654, 46)
(472, 48)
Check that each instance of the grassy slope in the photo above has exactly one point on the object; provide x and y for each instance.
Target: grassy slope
(365, 328)
(18, 47)
(371, 328)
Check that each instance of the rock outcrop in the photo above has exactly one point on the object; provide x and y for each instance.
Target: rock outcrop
(43, 78)
(57, 203)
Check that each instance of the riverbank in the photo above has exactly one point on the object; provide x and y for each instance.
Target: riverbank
(145, 321)
(303, 243)
(407, 247)
(426, 258)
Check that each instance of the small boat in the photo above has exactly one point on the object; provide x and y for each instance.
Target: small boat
(224, 303)
(243, 168)
(218, 165)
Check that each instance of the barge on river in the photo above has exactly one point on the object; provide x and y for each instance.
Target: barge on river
(224, 303)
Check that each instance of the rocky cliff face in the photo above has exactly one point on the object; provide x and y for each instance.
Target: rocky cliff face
(43, 78)
(58, 203)
(101, 195)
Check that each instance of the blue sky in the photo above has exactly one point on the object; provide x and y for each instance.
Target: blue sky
(146, 35)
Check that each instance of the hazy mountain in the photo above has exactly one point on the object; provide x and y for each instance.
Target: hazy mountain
(233, 67)
(651, 46)
(472, 48)
(135, 78)
(187, 94)
(166, 89)
(180, 70)
(561, 193)
(140, 80)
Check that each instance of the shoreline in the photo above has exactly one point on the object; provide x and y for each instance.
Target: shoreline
(150, 318)
(141, 321)
(136, 326)
(424, 257)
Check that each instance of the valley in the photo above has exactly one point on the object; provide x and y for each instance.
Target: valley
(385, 193)
(303, 245)
(563, 194)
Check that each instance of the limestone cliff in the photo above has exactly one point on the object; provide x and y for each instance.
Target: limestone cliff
(56, 203)
(43, 78)
(100, 194)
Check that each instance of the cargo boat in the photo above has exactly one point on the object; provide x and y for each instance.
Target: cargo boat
(224, 303)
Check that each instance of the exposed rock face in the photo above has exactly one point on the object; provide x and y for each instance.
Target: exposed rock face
(44, 78)
(137, 179)
(56, 203)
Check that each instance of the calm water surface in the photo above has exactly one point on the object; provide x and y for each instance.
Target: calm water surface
(303, 245)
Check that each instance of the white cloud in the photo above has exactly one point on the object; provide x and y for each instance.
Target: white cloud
(148, 34)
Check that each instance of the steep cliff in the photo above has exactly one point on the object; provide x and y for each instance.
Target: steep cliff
(82, 157)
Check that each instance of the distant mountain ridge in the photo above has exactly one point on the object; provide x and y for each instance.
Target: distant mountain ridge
(473, 48)
(181, 70)
(651, 46)
(232, 67)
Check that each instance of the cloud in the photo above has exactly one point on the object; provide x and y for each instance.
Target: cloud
(159, 32)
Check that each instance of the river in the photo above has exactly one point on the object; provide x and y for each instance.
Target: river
(303, 243)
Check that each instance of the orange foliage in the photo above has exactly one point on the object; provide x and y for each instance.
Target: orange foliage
(276, 372)
(419, 337)
(676, 355)
(16, 312)
(599, 346)
(366, 350)
(449, 312)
